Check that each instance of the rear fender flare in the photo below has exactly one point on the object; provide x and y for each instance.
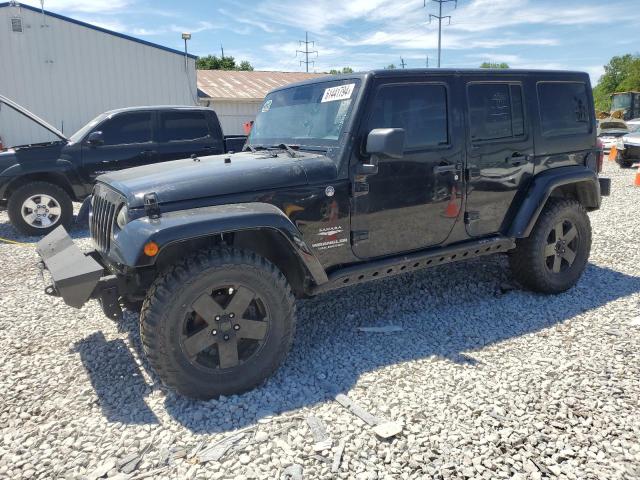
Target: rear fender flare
(543, 185)
(127, 245)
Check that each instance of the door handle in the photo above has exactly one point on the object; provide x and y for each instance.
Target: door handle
(446, 168)
(517, 159)
(148, 153)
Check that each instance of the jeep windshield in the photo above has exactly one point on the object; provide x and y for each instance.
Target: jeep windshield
(308, 115)
(621, 101)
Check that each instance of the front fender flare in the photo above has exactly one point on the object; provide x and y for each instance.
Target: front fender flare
(541, 188)
(175, 227)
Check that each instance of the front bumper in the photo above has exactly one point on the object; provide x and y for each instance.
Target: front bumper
(77, 277)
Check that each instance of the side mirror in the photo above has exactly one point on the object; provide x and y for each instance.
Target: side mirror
(386, 142)
(95, 139)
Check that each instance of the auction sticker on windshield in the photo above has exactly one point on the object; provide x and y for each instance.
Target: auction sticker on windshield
(267, 105)
(341, 92)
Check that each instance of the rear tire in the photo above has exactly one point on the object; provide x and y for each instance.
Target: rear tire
(218, 323)
(37, 208)
(553, 257)
(624, 163)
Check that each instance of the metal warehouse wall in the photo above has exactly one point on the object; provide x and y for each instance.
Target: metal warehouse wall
(234, 114)
(67, 74)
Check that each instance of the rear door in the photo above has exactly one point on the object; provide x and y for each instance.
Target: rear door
(500, 151)
(412, 202)
(183, 133)
(127, 142)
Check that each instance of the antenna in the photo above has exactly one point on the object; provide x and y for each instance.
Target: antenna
(440, 17)
(306, 51)
(44, 17)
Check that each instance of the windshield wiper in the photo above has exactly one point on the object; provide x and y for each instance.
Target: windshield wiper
(289, 148)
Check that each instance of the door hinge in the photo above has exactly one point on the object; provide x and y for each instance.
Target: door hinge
(360, 188)
(359, 236)
(471, 217)
(151, 207)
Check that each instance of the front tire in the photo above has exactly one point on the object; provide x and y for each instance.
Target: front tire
(37, 208)
(624, 163)
(553, 257)
(218, 323)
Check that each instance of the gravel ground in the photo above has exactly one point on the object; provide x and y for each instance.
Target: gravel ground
(488, 382)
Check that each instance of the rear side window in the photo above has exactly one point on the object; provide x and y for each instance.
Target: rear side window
(127, 128)
(420, 109)
(564, 108)
(176, 126)
(495, 111)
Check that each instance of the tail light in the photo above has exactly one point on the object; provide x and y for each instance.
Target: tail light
(599, 155)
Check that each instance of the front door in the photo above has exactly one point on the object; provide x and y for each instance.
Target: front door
(412, 202)
(127, 142)
(499, 153)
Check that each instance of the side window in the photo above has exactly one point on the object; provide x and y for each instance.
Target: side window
(420, 109)
(127, 128)
(564, 108)
(495, 111)
(175, 126)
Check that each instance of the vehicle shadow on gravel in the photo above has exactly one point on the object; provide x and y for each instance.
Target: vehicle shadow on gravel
(119, 383)
(8, 232)
(445, 313)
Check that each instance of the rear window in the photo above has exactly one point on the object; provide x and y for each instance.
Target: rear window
(495, 111)
(175, 126)
(564, 108)
(421, 110)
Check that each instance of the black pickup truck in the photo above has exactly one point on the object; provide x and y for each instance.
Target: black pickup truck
(343, 180)
(38, 182)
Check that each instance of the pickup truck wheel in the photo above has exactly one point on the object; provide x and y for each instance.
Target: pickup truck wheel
(218, 323)
(554, 256)
(624, 163)
(37, 208)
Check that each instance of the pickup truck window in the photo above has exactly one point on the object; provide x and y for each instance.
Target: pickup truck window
(420, 109)
(308, 114)
(495, 111)
(127, 128)
(564, 108)
(180, 126)
(80, 134)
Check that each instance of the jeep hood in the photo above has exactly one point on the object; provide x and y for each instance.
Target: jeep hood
(32, 116)
(217, 175)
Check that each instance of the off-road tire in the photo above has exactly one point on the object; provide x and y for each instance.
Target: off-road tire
(167, 301)
(624, 163)
(19, 196)
(528, 260)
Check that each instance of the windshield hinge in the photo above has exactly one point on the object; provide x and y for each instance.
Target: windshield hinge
(151, 207)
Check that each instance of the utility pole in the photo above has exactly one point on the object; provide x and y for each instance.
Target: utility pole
(440, 17)
(427, 61)
(222, 50)
(306, 51)
(402, 62)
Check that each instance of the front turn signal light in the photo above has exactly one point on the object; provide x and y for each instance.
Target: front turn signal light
(151, 249)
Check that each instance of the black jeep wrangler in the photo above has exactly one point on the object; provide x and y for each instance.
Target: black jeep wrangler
(343, 180)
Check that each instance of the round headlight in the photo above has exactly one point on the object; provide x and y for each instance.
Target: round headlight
(122, 218)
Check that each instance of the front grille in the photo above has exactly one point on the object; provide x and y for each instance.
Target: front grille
(105, 206)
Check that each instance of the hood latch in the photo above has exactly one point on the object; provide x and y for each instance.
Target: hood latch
(151, 207)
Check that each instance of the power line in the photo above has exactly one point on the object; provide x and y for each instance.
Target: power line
(306, 51)
(440, 17)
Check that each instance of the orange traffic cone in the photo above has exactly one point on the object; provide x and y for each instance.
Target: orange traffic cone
(637, 180)
(452, 209)
(613, 154)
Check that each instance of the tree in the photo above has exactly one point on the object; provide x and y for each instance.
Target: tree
(391, 67)
(621, 74)
(211, 62)
(333, 71)
(494, 65)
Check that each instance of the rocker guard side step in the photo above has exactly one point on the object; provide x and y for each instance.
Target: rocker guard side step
(390, 266)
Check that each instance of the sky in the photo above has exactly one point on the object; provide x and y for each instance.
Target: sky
(366, 34)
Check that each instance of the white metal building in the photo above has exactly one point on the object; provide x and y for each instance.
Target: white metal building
(237, 96)
(67, 72)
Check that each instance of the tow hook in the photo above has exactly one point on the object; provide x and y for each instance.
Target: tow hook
(51, 291)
